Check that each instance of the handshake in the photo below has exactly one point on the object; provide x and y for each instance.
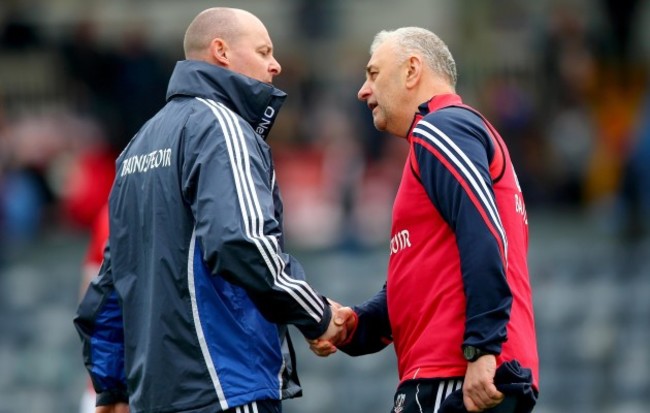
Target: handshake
(339, 332)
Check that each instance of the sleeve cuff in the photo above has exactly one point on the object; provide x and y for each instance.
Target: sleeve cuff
(111, 397)
(321, 328)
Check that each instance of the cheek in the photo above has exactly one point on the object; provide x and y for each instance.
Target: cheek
(383, 93)
(385, 98)
(248, 66)
(259, 66)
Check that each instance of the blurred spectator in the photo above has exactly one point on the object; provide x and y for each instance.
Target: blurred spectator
(87, 173)
(568, 61)
(621, 15)
(58, 170)
(634, 196)
(317, 19)
(571, 135)
(614, 108)
(570, 69)
(512, 109)
(121, 88)
(30, 143)
(90, 69)
(18, 31)
(140, 83)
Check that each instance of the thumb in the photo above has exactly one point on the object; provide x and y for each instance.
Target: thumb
(342, 315)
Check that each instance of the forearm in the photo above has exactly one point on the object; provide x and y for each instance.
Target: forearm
(276, 286)
(373, 331)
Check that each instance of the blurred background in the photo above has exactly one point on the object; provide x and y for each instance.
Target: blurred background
(565, 82)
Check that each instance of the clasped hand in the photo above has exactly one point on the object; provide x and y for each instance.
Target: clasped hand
(479, 391)
(338, 332)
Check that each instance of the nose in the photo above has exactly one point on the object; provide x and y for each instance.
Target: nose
(275, 67)
(364, 92)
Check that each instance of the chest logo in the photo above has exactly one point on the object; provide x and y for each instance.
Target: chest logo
(400, 241)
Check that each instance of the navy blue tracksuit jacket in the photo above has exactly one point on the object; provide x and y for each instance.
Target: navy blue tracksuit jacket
(189, 311)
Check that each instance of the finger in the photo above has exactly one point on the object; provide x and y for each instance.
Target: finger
(477, 395)
(491, 396)
(470, 405)
(319, 343)
(324, 352)
(342, 315)
(494, 393)
(488, 397)
(335, 305)
(322, 347)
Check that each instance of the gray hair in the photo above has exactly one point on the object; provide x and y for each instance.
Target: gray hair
(433, 50)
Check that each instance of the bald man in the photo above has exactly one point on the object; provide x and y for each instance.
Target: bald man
(190, 308)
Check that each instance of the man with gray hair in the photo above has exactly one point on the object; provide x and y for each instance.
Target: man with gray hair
(190, 309)
(457, 302)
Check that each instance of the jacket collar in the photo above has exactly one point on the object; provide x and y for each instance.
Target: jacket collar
(440, 101)
(256, 102)
(435, 103)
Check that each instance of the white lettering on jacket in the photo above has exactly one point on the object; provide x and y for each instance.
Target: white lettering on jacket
(265, 123)
(143, 163)
(399, 241)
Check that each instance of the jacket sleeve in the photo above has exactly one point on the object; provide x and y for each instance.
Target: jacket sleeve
(228, 181)
(100, 327)
(373, 332)
(452, 151)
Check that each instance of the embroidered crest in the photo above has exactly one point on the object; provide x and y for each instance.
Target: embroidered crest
(399, 403)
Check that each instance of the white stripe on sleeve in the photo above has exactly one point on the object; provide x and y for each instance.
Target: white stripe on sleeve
(252, 215)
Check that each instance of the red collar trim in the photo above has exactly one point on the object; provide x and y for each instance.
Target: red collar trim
(439, 102)
(435, 103)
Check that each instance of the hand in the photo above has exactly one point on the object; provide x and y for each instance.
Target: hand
(479, 391)
(113, 408)
(342, 324)
(346, 319)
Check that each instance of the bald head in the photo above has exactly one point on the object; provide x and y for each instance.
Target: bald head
(233, 39)
(217, 22)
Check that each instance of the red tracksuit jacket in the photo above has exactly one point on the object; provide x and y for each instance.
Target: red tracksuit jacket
(458, 271)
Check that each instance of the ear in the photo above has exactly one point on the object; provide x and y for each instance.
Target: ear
(219, 52)
(413, 71)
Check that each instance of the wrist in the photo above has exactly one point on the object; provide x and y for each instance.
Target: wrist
(110, 397)
(472, 353)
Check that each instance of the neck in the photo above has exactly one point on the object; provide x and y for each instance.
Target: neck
(433, 87)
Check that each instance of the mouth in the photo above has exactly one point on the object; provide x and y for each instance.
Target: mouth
(372, 106)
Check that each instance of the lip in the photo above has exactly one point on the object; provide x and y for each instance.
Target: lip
(372, 106)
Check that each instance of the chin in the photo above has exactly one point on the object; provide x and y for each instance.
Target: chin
(379, 125)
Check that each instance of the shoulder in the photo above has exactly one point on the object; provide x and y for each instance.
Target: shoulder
(453, 117)
(220, 114)
(453, 123)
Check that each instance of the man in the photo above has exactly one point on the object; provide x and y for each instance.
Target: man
(190, 308)
(457, 302)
